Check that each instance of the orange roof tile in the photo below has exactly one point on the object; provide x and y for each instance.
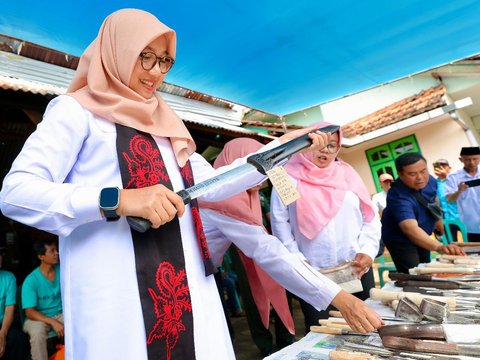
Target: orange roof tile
(265, 124)
(424, 101)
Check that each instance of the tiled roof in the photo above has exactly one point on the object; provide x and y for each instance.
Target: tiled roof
(424, 101)
(270, 125)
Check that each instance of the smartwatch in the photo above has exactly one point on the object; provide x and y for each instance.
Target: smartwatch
(109, 200)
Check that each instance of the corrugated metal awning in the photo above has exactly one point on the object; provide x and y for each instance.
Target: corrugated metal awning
(20, 73)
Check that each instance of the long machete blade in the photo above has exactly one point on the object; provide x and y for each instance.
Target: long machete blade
(261, 162)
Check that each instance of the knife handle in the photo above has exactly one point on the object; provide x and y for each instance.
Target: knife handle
(142, 225)
(335, 324)
(401, 276)
(326, 330)
(444, 285)
(138, 224)
(349, 355)
(335, 313)
(440, 270)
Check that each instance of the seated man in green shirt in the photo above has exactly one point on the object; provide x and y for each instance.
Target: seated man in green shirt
(41, 299)
(13, 342)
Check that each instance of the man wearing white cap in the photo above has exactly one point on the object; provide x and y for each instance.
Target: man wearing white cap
(380, 199)
(466, 193)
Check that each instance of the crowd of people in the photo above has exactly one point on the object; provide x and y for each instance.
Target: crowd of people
(124, 154)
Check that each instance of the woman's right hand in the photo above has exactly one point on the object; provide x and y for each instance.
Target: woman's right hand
(319, 139)
(357, 313)
(157, 204)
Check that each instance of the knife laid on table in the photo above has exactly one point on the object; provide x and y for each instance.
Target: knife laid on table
(427, 346)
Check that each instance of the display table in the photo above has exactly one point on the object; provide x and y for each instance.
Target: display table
(315, 346)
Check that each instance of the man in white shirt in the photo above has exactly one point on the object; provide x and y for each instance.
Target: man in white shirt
(380, 199)
(466, 194)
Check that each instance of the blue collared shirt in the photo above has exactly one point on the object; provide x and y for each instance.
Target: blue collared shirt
(402, 205)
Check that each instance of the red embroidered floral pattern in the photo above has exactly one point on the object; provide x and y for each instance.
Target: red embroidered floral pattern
(187, 175)
(202, 239)
(145, 165)
(173, 298)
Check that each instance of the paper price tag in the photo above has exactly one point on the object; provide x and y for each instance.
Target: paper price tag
(283, 184)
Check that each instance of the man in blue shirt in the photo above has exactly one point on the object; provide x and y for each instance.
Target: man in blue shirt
(41, 299)
(406, 223)
(13, 342)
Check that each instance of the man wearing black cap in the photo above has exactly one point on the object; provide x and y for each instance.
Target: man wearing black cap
(467, 195)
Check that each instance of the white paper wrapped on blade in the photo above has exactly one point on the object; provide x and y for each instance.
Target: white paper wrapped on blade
(342, 275)
(462, 333)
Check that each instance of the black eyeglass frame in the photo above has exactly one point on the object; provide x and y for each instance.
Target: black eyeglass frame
(161, 60)
(331, 148)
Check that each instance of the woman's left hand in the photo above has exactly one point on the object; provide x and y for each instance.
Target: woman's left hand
(319, 139)
(361, 264)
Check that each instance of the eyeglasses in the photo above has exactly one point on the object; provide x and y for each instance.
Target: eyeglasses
(149, 59)
(332, 148)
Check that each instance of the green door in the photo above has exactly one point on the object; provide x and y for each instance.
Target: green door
(382, 158)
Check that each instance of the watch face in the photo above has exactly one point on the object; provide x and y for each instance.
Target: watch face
(109, 198)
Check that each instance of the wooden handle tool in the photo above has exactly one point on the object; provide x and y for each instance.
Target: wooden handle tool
(389, 296)
(443, 270)
(335, 331)
(335, 324)
(349, 355)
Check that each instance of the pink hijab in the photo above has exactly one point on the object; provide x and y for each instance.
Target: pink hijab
(322, 190)
(101, 81)
(246, 207)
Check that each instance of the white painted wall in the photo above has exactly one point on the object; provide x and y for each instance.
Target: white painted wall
(437, 139)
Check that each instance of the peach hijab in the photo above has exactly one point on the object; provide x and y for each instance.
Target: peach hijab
(322, 190)
(101, 81)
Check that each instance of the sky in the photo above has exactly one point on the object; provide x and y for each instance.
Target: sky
(278, 56)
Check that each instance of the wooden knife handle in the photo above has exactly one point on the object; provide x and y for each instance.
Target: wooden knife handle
(444, 285)
(437, 270)
(452, 257)
(325, 330)
(440, 265)
(402, 276)
(335, 324)
(426, 346)
(335, 313)
(388, 296)
(472, 262)
(349, 355)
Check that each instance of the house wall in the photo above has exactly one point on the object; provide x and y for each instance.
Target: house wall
(437, 139)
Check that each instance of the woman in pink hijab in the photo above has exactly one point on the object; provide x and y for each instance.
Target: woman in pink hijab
(238, 220)
(334, 220)
(260, 290)
(111, 148)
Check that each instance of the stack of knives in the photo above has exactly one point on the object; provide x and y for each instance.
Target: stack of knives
(434, 297)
